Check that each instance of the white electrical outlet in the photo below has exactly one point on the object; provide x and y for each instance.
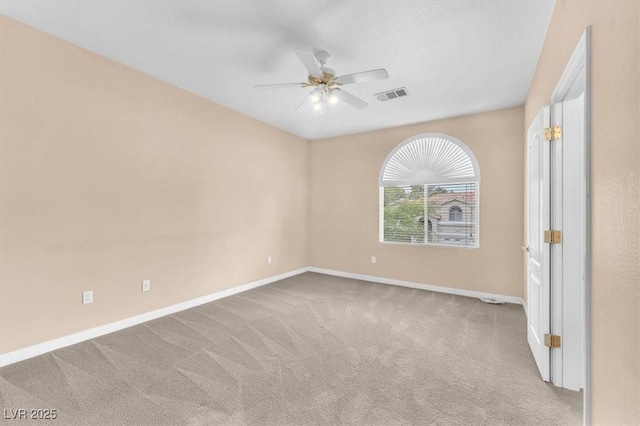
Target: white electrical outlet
(87, 297)
(146, 285)
(268, 259)
(373, 259)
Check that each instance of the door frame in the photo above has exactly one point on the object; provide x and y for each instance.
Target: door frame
(578, 64)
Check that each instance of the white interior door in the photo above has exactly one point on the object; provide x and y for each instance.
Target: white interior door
(538, 252)
(568, 214)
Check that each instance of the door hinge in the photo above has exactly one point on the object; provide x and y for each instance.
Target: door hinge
(553, 133)
(553, 237)
(552, 340)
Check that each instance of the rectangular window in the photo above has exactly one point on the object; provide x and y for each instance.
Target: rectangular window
(444, 214)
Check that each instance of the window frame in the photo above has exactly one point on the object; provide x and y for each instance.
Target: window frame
(475, 179)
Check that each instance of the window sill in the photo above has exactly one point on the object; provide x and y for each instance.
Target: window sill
(454, 246)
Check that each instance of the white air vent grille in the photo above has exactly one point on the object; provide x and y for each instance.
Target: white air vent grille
(392, 94)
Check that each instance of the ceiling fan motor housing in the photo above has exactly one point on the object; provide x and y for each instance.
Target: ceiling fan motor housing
(328, 78)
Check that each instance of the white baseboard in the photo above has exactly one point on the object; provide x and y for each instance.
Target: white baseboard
(439, 289)
(51, 345)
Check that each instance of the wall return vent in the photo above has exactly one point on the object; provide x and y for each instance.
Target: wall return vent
(392, 94)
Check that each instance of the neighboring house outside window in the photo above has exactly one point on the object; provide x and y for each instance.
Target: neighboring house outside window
(429, 193)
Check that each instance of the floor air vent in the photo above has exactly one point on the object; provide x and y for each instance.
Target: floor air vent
(392, 94)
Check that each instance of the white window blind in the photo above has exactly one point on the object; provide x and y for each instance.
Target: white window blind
(424, 198)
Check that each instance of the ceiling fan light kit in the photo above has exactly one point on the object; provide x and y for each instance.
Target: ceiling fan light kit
(322, 96)
(325, 81)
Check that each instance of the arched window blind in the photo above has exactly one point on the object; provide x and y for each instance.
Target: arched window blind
(429, 193)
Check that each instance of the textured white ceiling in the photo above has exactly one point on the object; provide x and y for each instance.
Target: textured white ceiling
(454, 57)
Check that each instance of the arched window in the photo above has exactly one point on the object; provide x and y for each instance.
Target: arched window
(430, 179)
(455, 214)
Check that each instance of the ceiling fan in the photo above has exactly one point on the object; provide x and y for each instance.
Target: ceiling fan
(326, 83)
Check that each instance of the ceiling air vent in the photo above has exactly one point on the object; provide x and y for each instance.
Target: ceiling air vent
(392, 94)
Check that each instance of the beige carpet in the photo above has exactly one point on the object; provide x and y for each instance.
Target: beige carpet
(311, 349)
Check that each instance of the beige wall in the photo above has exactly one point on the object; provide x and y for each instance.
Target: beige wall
(110, 177)
(615, 176)
(344, 207)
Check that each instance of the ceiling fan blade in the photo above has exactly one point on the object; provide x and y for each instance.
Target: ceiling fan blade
(309, 61)
(363, 77)
(261, 86)
(352, 100)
